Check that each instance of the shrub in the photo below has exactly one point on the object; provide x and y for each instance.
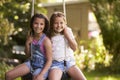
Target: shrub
(92, 52)
(3, 68)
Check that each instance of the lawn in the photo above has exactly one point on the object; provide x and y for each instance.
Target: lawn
(95, 75)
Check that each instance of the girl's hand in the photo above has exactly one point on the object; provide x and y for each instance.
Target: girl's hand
(39, 77)
(27, 45)
(29, 40)
(66, 30)
(70, 38)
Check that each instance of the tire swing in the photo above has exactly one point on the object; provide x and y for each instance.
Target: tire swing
(65, 75)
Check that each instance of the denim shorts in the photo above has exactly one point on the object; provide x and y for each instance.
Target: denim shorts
(36, 71)
(60, 65)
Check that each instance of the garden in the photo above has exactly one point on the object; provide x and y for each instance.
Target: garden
(98, 57)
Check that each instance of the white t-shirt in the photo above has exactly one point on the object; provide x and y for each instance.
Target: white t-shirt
(61, 48)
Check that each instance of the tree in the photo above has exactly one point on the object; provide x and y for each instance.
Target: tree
(107, 13)
(14, 22)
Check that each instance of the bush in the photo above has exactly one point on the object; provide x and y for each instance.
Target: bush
(92, 52)
(4, 68)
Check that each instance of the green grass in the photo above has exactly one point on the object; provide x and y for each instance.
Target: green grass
(102, 75)
(18, 78)
(94, 75)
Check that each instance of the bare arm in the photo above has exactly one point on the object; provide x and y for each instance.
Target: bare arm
(71, 40)
(48, 48)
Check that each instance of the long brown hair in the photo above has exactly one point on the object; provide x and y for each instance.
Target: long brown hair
(46, 29)
(52, 20)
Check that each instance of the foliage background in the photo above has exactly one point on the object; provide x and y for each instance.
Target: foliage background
(101, 53)
(107, 13)
(14, 23)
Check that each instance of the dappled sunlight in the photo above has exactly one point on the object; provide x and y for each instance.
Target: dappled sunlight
(110, 78)
(92, 52)
(16, 17)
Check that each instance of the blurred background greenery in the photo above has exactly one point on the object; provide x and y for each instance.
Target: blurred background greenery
(98, 57)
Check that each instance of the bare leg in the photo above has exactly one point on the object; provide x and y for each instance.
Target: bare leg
(18, 71)
(55, 74)
(76, 73)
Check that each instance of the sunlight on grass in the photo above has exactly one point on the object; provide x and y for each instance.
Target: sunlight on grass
(18, 78)
(101, 76)
(110, 78)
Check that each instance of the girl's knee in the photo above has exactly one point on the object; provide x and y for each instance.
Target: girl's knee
(81, 78)
(55, 74)
(76, 73)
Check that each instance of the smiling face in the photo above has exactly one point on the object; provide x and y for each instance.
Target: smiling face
(38, 25)
(59, 24)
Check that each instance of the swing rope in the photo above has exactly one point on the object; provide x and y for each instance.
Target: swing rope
(65, 75)
(32, 11)
(64, 9)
